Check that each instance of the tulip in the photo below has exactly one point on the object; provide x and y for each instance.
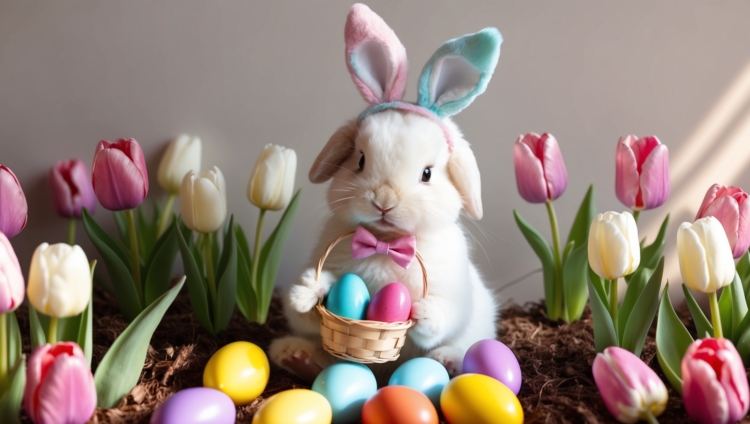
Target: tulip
(203, 200)
(272, 181)
(59, 385)
(630, 389)
(59, 280)
(714, 383)
(730, 206)
(13, 207)
(540, 169)
(119, 174)
(614, 250)
(642, 172)
(706, 262)
(182, 155)
(71, 188)
(12, 286)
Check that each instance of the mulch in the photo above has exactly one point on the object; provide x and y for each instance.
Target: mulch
(555, 360)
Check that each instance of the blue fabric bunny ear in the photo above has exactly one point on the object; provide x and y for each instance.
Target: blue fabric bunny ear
(459, 71)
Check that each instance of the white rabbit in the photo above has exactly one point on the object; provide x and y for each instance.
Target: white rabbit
(402, 169)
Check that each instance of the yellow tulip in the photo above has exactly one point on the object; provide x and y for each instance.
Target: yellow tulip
(272, 181)
(614, 250)
(705, 255)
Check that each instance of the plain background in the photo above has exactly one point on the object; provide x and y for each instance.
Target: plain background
(241, 74)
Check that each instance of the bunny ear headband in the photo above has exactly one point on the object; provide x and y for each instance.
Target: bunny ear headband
(453, 77)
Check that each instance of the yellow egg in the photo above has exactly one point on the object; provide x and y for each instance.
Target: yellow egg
(478, 399)
(240, 370)
(297, 406)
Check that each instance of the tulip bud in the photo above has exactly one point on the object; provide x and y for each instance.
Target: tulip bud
(203, 200)
(714, 383)
(12, 287)
(540, 169)
(614, 249)
(182, 155)
(630, 389)
(13, 207)
(71, 188)
(59, 385)
(730, 206)
(119, 174)
(59, 280)
(706, 262)
(272, 181)
(642, 172)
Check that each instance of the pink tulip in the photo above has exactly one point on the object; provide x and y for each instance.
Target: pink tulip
(730, 206)
(71, 188)
(59, 385)
(714, 383)
(13, 207)
(642, 172)
(540, 169)
(630, 389)
(119, 174)
(12, 287)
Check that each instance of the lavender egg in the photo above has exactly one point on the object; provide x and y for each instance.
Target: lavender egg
(199, 405)
(392, 303)
(494, 359)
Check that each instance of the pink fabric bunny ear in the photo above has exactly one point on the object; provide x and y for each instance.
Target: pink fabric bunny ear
(375, 57)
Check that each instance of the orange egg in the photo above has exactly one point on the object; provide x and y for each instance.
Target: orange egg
(399, 405)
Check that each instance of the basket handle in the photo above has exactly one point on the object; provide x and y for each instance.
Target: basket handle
(333, 244)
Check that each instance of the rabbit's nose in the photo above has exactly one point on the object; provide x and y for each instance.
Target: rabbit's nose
(382, 209)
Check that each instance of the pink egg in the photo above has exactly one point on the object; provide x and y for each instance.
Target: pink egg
(391, 304)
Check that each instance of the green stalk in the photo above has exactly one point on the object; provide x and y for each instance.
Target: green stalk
(715, 315)
(208, 259)
(636, 214)
(52, 331)
(166, 213)
(613, 302)
(558, 293)
(4, 354)
(650, 418)
(136, 259)
(72, 232)
(262, 308)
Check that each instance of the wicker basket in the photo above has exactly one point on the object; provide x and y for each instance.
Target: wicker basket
(362, 341)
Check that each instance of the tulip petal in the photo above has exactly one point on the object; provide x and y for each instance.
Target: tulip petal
(705, 399)
(83, 195)
(743, 229)
(626, 174)
(727, 211)
(13, 206)
(709, 198)
(654, 180)
(529, 174)
(615, 251)
(616, 392)
(12, 287)
(209, 206)
(118, 183)
(62, 198)
(67, 393)
(692, 258)
(554, 167)
(595, 257)
(733, 379)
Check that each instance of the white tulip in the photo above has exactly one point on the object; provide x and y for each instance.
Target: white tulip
(203, 200)
(614, 250)
(182, 155)
(59, 280)
(706, 261)
(272, 181)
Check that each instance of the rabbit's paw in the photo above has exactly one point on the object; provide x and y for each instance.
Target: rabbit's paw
(295, 355)
(429, 319)
(305, 294)
(451, 357)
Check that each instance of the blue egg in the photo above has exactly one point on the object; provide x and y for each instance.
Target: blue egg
(422, 374)
(349, 297)
(347, 386)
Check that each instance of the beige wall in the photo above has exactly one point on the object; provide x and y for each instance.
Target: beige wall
(241, 74)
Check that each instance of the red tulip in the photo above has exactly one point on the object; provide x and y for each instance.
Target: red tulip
(730, 206)
(540, 169)
(119, 174)
(642, 172)
(71, 188)
(13, 207)
(12, 287)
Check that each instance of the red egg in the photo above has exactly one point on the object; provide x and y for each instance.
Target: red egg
(399, 405)
(392, 303)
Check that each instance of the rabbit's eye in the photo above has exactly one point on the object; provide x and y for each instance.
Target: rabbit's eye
(362, 162)
(426, 174)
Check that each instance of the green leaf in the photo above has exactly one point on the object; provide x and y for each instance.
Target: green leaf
(196, 285)
(604, 330)
(38, 331)
(725, 312)
(569, 248)
(575, 291)
(650, 254)
(672, 340)
(739, 307)
(85, 337)
(159, 265)
(227, 281)
(638, 324)
(247, 300)
(703, 326)
(122, 227)
(579, 231)
(635, 287)
(544, 253)
(743, 268)
(743, 346)
(10, 403)
(119, 370)
(13, 333)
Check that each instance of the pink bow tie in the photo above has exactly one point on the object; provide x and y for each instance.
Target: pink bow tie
(401, 250)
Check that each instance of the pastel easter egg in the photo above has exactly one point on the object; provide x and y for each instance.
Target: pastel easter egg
(199, 405)
(392, 303)
(240, 370)
(347, 386)
(348, 297)
(494, 359)
(399, 405)
(422, 374)
(479, 399)
(296, 406)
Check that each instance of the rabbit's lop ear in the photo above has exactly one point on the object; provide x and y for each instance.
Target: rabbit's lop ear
(459, 71)
(464, 173)
(339, 147)
(375, 57)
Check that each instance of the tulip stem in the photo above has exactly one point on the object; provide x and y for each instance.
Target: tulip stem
(4, 333)
(260, 296)
(136, 259)
(166, 213)
(208, 259)
(52, 331)
(650, 418)
(72, 232)
(613, 301)
(715, 315)
(558, 291)
(636, 214)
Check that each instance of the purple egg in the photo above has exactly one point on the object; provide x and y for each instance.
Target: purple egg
(392, 303)
(199, 405)
(494, 359)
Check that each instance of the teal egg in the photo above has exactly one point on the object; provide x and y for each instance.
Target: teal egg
(349, 297)
(347, 386)
(422, 374)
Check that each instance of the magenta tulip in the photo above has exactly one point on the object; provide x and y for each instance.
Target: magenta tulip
(642, 172)
(730, 206)
(59, 385)
(630, 389)
(13, 207)
(540, 169)
(71, 188)
(714, 383)
(12, 287)
(119, 174)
